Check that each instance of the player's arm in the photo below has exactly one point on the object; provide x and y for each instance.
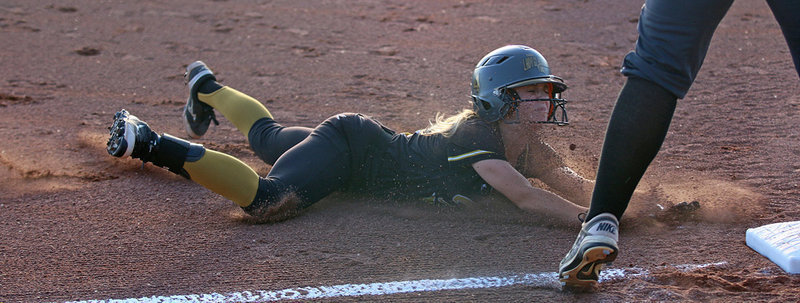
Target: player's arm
(544, 163)
(514, 186)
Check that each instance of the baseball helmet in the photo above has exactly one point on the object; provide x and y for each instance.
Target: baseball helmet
(508, 67)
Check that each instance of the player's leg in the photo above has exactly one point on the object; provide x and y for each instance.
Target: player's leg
(309, 173)
(635, 132)
(242, 110)
(324, 162)
(787, 14)
(674, 36)
(225, 175)
(216, 171)
(673, 40)
(206, 94)
(268, 139)
(595, 247)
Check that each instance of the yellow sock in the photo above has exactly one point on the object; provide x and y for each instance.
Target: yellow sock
(225, 175)
(239, 108)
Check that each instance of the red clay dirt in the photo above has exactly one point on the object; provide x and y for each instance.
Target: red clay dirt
(77, 224)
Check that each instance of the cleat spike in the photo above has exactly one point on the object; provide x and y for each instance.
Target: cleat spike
(130, 136)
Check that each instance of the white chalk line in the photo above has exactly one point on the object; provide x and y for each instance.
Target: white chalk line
(539, 280)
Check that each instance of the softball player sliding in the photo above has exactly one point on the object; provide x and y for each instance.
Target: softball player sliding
(494, 145)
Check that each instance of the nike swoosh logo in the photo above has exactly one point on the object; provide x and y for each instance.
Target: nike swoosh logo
(592, 272)
(588, 270)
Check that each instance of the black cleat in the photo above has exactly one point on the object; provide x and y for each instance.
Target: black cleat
(130, 136)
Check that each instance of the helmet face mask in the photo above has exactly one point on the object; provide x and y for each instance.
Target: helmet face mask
(557, 112)
(509, 67)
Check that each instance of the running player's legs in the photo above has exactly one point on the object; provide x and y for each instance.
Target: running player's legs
(787, 13)
(673, 40)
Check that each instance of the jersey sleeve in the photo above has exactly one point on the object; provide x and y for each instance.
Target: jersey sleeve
(475, 141)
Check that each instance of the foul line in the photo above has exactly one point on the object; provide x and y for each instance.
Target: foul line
(540, 280)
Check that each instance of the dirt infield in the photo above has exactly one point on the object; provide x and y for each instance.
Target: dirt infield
(77, 224)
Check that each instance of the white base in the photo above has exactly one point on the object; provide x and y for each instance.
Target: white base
(780, 242)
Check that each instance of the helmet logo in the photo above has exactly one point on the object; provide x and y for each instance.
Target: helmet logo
(530, 62)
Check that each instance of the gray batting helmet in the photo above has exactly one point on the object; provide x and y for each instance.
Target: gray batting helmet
(508, 67)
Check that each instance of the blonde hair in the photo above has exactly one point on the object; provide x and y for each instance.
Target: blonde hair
(448, 126)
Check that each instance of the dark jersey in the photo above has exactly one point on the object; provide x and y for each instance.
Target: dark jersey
(434, 166)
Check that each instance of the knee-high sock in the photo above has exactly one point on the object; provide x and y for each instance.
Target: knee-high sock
(224, 175)
(637, 128)
(239, 108)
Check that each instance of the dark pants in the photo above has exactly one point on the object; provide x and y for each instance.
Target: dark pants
(674, 36)
(314, 163)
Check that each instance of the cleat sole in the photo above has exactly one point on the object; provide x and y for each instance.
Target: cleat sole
(584, 276)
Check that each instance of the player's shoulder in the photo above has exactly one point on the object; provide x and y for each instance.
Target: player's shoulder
(475, 125)
(476, 132)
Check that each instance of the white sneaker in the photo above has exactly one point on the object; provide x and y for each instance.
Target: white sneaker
(595, 247)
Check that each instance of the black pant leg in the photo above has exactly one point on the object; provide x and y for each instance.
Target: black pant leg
(269, 140)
